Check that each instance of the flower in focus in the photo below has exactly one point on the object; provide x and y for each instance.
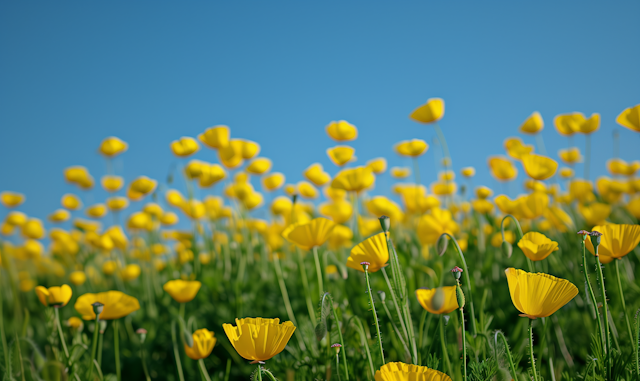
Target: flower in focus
(184, 147)
(616, 241)
(182, 291)
(342, 131)
(378, 165)
(11, 199)
(533, 124)
(215, 137)
(537, 246)
(570, 155)
(538, 295)
(502, 169)
(400, 172)
(112, 146)
(630, 118)
(273, 181)
(412, 148)
(372, 250)
(430, 112)
(203, 343)
(441, 300)
(316, 174)
(259, 166)
(71, 202)
(354, 179)
(341, 155)
(259, 339)
(54, 296)
(398, 371)
(116, 305)
(310, 234)
(539, 167)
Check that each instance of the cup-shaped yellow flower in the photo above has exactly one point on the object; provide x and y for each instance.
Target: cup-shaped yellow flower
(212, 174)
(215, 137)
(570, 155)
(398, 371)
(182, 291)
(184, 147)
(373, 250)
(33, 229)
(569, 124)
(537, 246)
(117, 203)
(307, 190)
(430, 112)
(77, 175)
(590, 125)
(595, 213)
(533, 124)
(316, 174)
(538, 295)
(400, 172)
(354, 179)
(443, 188)
(616, 241)
(412, 148)
(441, 300)
(468, 172)
(249, 149)
(342, 131)
(54, 296)
(16, 218)
(618, 166)
(309, 234)
(259, 339)
(116, 305)
(431, 226)
(112, 183)
(231, 155)
(11, 199)
(339, 211)
(78, 278)
(382, 206)
(143, 185)
(259, 166)
(566, 173)
(96, 211)
(112, 146)
(71, 202)
(341, 155)
(273, 181)
(59, 215)
(203, 343)
(502, 169)
(539, 167)
(130, 272)
(378, 165)
(630, 118)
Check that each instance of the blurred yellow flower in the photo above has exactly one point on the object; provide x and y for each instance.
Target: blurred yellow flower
(430, 112)
(80, 176)
(174, 198)
(194, 209)
(496, 238)
(468, 172)
(595, 213)
(78, 278)
(354, 179)
(568, 124)
(441, 188)
(483, 192)
(182, 291)
(112, 146)
(620, 167)
(412, 148)
(281, 205)
(482, 206)
(96, 211)
(539, 167)
(307, 190)
(537, 246)
(273, 181)
(215, 137)
(616, 241)
(340, 237)
(630, 118)
(203, 343)
(184, 147)
(130, 272)
(533, 124)
(169, 218)
(112, 183)
(431, 226)
(231, 155)
(140, 220)
(33, 229)
(249, 149)
(316, 174)
(116, 305)
(516, 149)
(259, 166)
(341, 155)
(342, 131)
(441, 300)
(339, 211)
(11, 199)
(381, 206)
(310, 234)
(590, 125)
(60, 215)
(538, 295)
(153, 209)
(74, 322)
(398, 371)
(54, 296)
(400, 172)
(141, 187)
(502, 169)
(259, 339)
(71, 202)
(378, 165)
(570, 155)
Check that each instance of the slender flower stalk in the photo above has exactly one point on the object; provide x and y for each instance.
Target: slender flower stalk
(305, 285)
(176, 352)
(363, 342)
(203, 370)
(594, 303)
(287, 302)
(595, 240)
(624, 305)
(337, 349)
(512, 366)
(59, 328)
(365, 266)
(318, 269)
(530, 264)
(457, 273)
(443, 344)
(344, 355)
(97, 309)
(531, 357)
(116, 345)
(259, 372)
(143, 335)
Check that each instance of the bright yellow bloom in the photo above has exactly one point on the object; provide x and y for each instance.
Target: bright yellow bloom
(184, 147)
(616, 241)
(430, 112)
(340, 237)
(468, 172)
(182, 291)
(581, 190)
(273, 181)
(80, 176)
(537, 246)
(194, 209)
(130, 272)
(54, 296)
(116, 305)
(538, 295)
(316, 174)
(211, 174)
(341, 155)
(400, 172)
(533, 124)
(378, 165)
(259, 166)
(570, 155)
(445, 176)
(174, 198)
(169, 218)
(441, 300)
(516, 149)
(309, 234)
(140, 220)
(249, 149)
(482, 206)
(16, 218)
(431, 226)
(59, 215)
(11, 199)
(203, 343)
(215, 137)
(397, 371)
(33, 229)
(630, 118)
(483, 192)
(339, 211)
(502, 169)
(78, 278)
(96, 211)
(539, 167)
(590, 125)
(231, 155)
(532, 206)
(633, 206)
(112, 146)
(342, 131)
(354, 179)
(307, 190)
(117, 203)
(141, 187)
(569, 124)
(281, 205)
(112, 183)
(442, 188)
(259, 339)
(412, 148)
(71, 202)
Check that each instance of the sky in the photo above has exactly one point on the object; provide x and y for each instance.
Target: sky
(149, 72)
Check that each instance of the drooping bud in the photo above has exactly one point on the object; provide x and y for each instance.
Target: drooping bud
(507, 248)
(457, 272)
(385, 223)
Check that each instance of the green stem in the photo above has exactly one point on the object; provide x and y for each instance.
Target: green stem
(344, 350)
(624, 305)
(20, 357)
(373, 310)
(305, 285)
(508, 352)
(144, 364)
(259, 372)
(443, 344)
(5, 350)
(533, 360)
(363, 341)
(176, 353)
(594, 303)
(318, 269)
(100, 340)
(395, 303)
(338, 366)
(464, 343)
(94, 345)
(227, 371)
(203, 369)
(468, 283)
(423, 317)
(116, 345)
(59, 327)
(287, 302)
(605, 311)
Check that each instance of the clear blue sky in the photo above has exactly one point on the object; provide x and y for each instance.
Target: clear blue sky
(149, 72)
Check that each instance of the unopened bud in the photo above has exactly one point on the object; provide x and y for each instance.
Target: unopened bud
(103, 326)
(437, 301)
(97, 308)
(460, 296)
(507, 248)
(383, 296)
(385, 223)
(457, 272)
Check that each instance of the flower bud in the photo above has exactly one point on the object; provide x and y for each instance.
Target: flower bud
(437, 301)
(507, 248)
(460, 296)
(383, 296)
(103, 326)
(385, 223)
(457, 272)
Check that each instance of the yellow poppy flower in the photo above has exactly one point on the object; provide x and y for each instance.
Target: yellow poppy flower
(112, 183)
(259, 339)
(71, 202)
(483, 192)
(440, 188)
(590, 125)
(309, 234)
(620, 167)
(74, 322)
(400, 172)
(316, 174)
(339, 211)
(281, 205)
(153, 209)
(194, 209)
(378, 165)
(203, 343)
(468, 172)
(441, 300)
(341, 155)
(33, 229)
(112, 146)
(482, 206)
(630, 118)
(307, 190)
(368, 226)
(516, 149)
(231, 155)
(430, 112)
(141, 187)
(595, 213)
(633, 206)
(342, 131)
(174, 198)
(215, 137)
(340, 237)
(78, 175)
(539, 167)
(538, 295)
(54, 296)
(15, 218)
(431, 226)
(140, 220)
(569, 124)
(559, 219)
(182, 291)
(193, 169)
(249, 149)
(616, 241)
(184, 147)
(581, 190)
(570, 155)
(273, 181)
(130, 272)
(502, 169)
(533, 124)
(60, 215)
(537, 246)
(412, 148)
(211, 174)
(96, 211)
(169, 218)
(381, 206)
(532, 206)
(78, 278)
(11, 199)
(397, 371)
(259, 166)
(354, 179)
(116, 305)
